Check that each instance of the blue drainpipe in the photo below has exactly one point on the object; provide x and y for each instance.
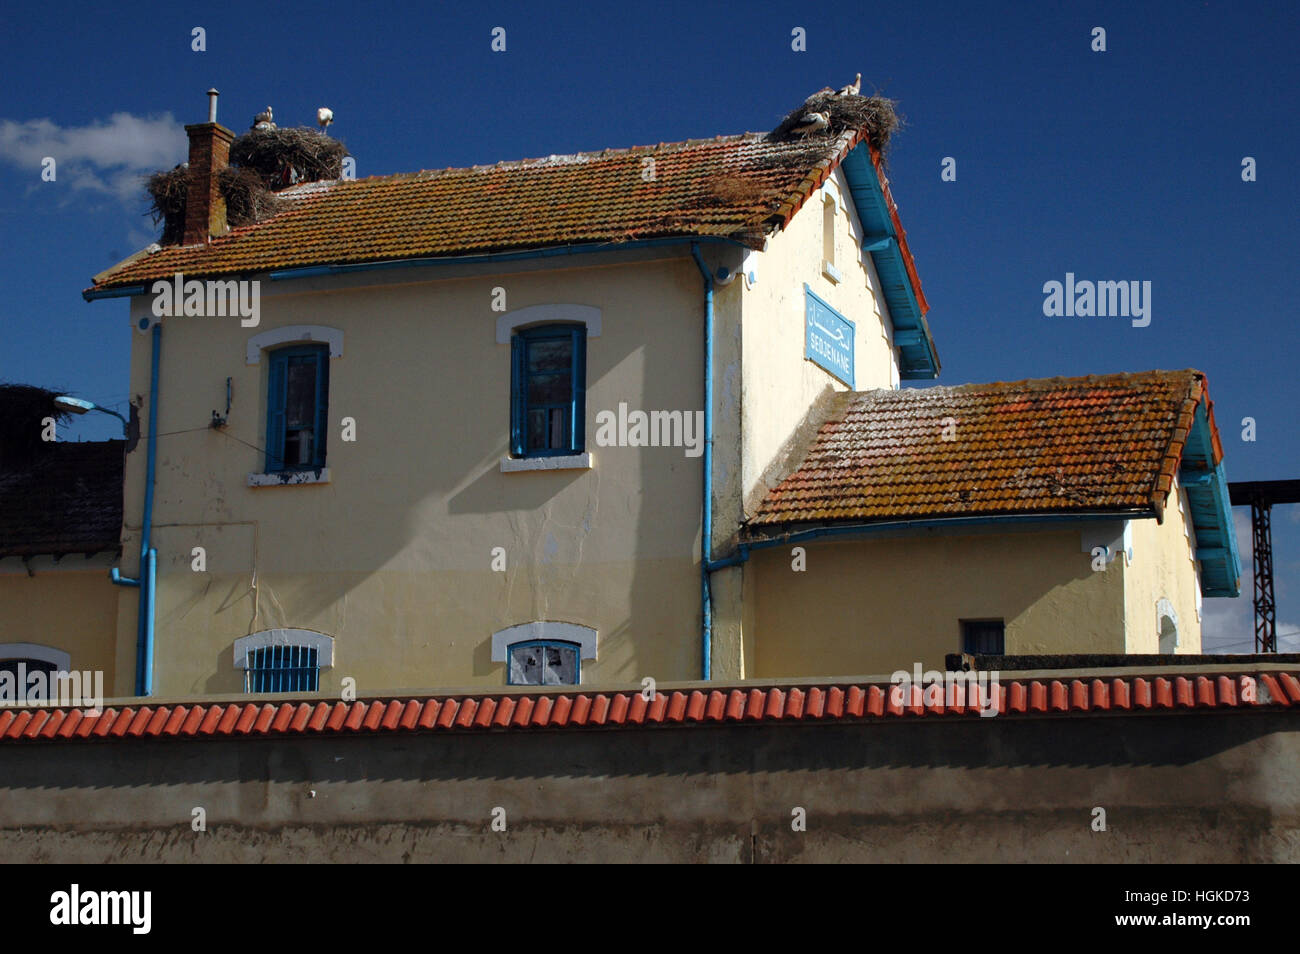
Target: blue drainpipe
(148, 556)
(148, 576)
(706, 537)
(145, 677)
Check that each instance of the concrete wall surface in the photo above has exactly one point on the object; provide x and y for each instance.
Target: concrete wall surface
(1193, 787)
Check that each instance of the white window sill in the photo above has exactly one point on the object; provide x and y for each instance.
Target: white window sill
(831, 272)
(510, 465)
(290, 477)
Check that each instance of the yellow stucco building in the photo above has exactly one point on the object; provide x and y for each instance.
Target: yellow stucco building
(603, 417)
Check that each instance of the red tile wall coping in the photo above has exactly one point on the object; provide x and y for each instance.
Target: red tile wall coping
(823, 703)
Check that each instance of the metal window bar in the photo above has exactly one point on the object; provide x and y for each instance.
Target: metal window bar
(282, 669)
(984, 637)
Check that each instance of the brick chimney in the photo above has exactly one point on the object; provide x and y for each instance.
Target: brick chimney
(205, 208)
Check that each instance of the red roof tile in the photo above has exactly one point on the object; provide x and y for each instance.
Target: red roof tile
(738, 187)
(1107, 443)
(513, 711)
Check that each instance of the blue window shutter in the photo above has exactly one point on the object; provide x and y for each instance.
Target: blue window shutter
(518, 384)
(277, 399)
(275, 413)
(573, 416)
(322, 406)
(578, 418)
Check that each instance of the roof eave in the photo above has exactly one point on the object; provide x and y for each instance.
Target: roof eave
(747, 241)
(787, 532)
(87, 549)
(1202, 476)
(886, 242)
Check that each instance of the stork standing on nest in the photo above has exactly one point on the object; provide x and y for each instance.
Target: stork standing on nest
(263, 120)
(811, 123)
(324, 117)
(852, 89)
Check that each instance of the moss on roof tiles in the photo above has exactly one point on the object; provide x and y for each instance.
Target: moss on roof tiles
(1106, 443)
(738, 187)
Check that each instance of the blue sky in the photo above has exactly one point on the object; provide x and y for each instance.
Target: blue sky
(1122, 165)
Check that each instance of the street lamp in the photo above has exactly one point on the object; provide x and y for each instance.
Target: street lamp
(66, 402)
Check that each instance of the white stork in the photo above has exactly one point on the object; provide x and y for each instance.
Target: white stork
(812, 123)
(263, 120)
(324, 117)
(853, 88)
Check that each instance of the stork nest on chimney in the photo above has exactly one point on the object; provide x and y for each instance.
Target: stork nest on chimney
(874, 113)
(167, 191)
(262, 163)
(248, 200)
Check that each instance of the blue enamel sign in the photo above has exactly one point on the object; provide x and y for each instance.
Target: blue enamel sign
(828, 337)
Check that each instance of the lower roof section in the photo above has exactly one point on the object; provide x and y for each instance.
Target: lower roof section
(1031, 695)
(1050, 448)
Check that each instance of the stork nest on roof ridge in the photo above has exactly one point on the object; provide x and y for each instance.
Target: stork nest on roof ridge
(286, 156)
(262, 162)
(873, 113)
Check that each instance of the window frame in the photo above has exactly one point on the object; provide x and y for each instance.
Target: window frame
(276, 398)
(965, 623)
(576, 441)
(310, 673)
(575, 648)
(61, 660)
(320, 643)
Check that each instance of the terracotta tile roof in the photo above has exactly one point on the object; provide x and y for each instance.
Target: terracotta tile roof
(68, 500)
(1107, 443)
(738, 187)
(524, 710)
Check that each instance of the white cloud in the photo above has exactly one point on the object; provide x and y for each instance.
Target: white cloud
(106, 156)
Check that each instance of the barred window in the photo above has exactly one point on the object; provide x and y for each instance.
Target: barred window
(282, 669)
(983, 637)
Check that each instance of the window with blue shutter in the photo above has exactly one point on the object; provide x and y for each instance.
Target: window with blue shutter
(548, 391)
(297, 404)
(282, 669)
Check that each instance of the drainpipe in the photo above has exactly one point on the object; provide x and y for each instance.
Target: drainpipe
(148, 576)
(148, 556)
(145, 677)
(706, 537)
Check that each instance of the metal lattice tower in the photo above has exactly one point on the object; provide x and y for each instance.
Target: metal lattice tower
(1261, 548)
(1261, 495)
